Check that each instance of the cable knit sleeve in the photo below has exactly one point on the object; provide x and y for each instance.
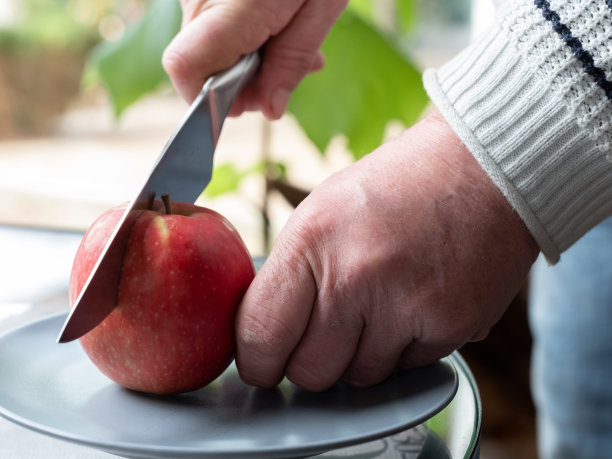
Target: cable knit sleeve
(532, 100)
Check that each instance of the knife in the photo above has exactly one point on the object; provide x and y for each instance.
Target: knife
(182, 170)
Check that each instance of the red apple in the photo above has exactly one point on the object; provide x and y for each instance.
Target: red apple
(183, 275)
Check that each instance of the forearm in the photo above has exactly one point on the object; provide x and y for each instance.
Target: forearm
(536, 114)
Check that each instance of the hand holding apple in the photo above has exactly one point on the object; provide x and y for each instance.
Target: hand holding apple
(395, 261)
(184, 273)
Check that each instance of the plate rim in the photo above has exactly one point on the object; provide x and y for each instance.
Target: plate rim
(141, 450)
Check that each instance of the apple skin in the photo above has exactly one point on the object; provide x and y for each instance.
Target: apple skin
(183, 277)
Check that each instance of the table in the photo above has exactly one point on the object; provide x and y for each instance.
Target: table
(35, 267)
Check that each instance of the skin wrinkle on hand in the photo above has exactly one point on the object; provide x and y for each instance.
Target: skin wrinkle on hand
(257, 331)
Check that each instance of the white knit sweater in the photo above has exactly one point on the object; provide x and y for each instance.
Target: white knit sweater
(532, 100)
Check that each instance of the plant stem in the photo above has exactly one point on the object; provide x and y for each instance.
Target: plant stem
(265, 155)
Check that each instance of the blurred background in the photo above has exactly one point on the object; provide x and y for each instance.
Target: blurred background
(85, 109)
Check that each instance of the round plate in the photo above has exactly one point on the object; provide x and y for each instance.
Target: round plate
(54, 389)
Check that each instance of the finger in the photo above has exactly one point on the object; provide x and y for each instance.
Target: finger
(376, 358)
(318, 63)
(189, 58)
(247, 100)
(326, 348)
(273, 316)
(191, 9)
(481, 335)
(290, 55)
(419, 353)
(215, 35)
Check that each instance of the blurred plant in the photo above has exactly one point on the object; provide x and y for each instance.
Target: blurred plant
(368, 81)
(48, 23)
(43, 44)
(130, 66)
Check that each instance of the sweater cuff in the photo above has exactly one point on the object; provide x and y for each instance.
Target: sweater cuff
(527, 138)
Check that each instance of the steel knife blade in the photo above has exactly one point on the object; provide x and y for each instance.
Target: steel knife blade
(182, 170)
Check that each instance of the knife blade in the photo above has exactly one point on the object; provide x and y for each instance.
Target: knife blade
(182, 170)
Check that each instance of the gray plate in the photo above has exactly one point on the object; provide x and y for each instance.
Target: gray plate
(54, 389)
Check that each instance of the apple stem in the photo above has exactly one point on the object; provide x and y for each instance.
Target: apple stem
(166, 199)
(150, 200)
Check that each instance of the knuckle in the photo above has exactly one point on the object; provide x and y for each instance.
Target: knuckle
(307, 376)
(364, 375)
(418, 354)
(255, 378)
(191, 8)
(480, 335)
(293, 62)
(300, 242)
(265, 334)
(176, 64)
(348, 280)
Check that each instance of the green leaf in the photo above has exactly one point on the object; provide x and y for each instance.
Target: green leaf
(226, 178)
(406, 14)
(45, 23)
(131, 66)
(363, 8)
(366, 83)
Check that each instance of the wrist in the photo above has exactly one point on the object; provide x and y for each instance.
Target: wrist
(535, 121)
(481, 203)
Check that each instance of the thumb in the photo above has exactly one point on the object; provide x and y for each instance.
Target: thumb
(212, 41)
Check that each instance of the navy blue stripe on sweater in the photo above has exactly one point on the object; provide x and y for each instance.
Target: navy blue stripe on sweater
(585, 58)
